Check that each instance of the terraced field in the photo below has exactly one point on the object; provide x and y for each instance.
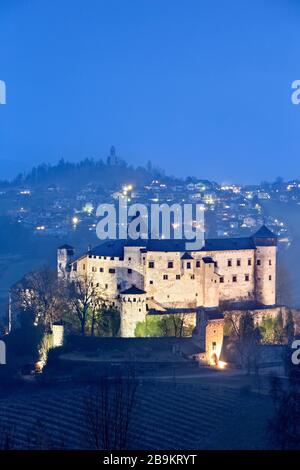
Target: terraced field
(166, 416)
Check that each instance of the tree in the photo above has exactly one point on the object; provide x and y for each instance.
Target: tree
(284, 426)
(39, 292)
(109, 410)
(246, 338)
(107, 321)
(7, 437)
(38, 437)
(85, 301)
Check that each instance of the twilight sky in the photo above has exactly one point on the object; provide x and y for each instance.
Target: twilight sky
(200, 88)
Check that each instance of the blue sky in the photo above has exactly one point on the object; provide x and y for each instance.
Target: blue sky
(200, 88)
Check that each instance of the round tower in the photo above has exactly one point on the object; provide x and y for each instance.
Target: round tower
(265, 265)
(133, 310)
(64, 255)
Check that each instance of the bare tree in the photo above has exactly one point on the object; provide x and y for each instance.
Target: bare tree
(246, 339)
(7, 437)
(85, 301)
(40, 293)
(109, 413)
(39, 438)
(283, 428)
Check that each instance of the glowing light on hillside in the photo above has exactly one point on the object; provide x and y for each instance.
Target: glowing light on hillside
(88, 208)
(75, 220)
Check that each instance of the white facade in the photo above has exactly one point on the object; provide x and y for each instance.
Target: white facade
(229, 270)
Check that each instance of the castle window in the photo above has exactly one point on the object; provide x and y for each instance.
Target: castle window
(222, 280)
(170, 264)
(134, 299)
(197, 264)
(270, 262)
(270, 278)
(90, 256)
(246, 277)
(229, 263)
(249, 262)
(104, 257)
(188, 265)
(106, 286)
(238, 262)
(214, 346)
(177, 276)
(192, 276)
(119, 286)
(95, 257)
(83, 266)
(151, 264)
(234, 278)
(165, 277)
(129, 271)
(150, 282)
(216, 264)
(112, 258)
(101, 270)
(93, 269)
(258, 262)
(111, 270)
(75, 267)
(97, 285)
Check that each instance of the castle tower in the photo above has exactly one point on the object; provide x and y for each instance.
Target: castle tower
(210, 283)
(64, 255)
(133, 310)
(265, 265)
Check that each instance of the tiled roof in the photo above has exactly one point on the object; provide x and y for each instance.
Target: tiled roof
(133, 290)
(186, 256)
(264, 232)
(116, 247)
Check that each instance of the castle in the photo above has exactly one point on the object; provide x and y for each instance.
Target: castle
(159, 277)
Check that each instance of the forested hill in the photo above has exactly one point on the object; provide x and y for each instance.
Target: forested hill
(75, 175)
